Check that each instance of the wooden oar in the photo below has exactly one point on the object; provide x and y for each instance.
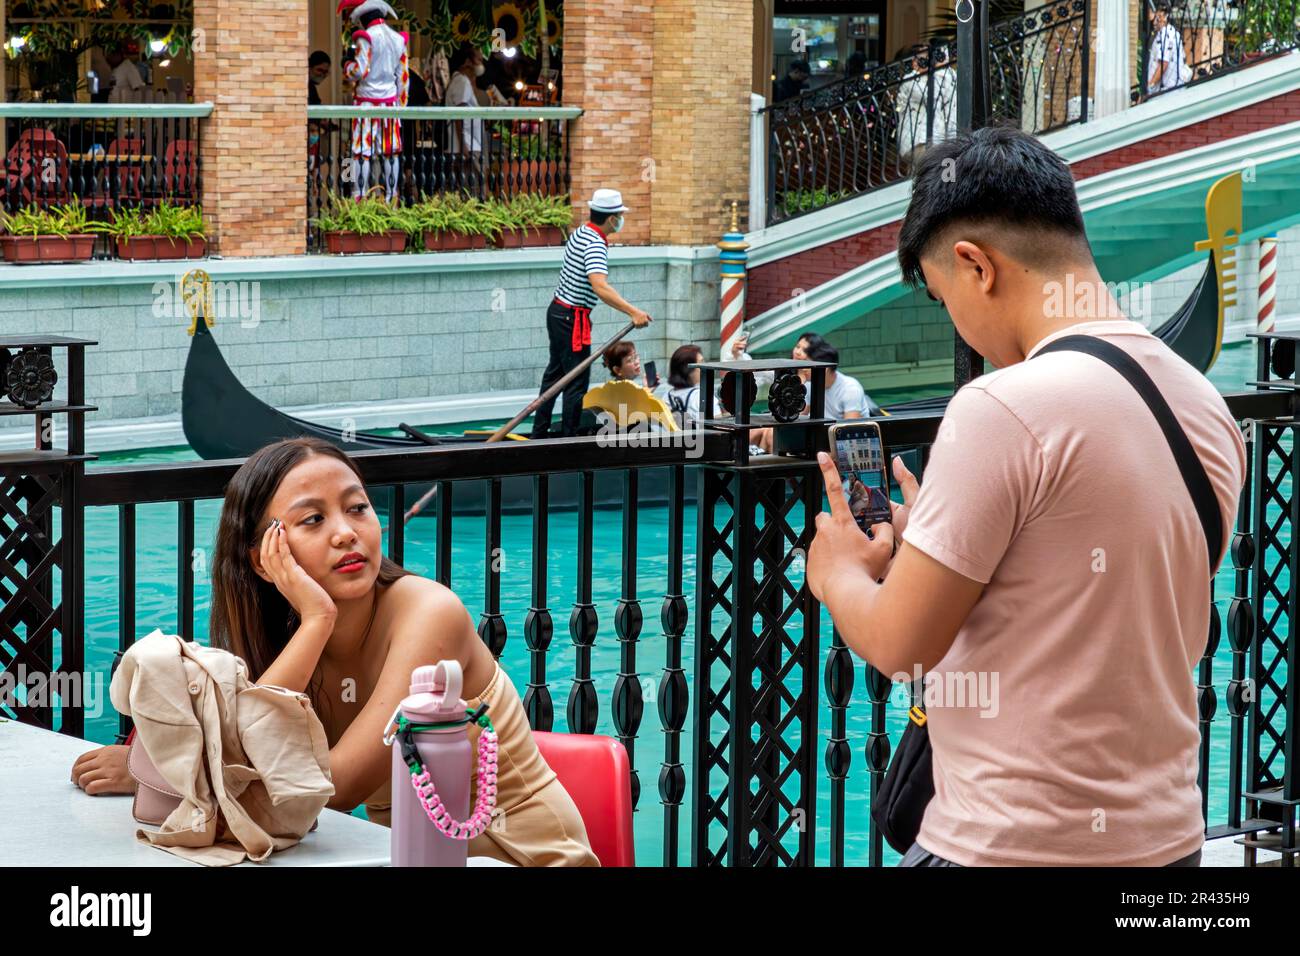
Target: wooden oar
(532, 406)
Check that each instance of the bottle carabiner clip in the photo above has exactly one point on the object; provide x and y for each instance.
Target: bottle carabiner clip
(392, 722)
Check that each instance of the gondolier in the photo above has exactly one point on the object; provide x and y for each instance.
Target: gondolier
(584, 279)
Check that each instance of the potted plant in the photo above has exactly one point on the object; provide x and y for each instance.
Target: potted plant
(534, 221)
(364, 225)
(53, 234)
(165, 232)
(450, 222)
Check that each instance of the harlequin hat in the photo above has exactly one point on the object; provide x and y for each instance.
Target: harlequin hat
(359, 8)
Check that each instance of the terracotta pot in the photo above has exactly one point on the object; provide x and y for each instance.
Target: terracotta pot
(27, 249)
(160, 247)
(448, 241)
(545, 236)
(517, 238)
(353, 243)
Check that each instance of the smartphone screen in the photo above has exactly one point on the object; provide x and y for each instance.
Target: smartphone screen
(651, 375)
(860, 456)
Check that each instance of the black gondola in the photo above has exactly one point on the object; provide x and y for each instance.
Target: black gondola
(222, 419)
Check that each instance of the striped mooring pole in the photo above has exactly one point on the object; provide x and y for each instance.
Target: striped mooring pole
(733, 259)
(1267, 282)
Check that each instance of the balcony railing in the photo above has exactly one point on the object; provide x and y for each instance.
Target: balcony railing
(103, 156)
(1214, 37)
(487, 153)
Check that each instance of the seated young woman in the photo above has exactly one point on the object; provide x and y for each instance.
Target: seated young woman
(302, 592)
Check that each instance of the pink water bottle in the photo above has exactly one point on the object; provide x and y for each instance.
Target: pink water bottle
(446, 757)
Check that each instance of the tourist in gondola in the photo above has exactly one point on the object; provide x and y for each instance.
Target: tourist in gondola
(302, 592)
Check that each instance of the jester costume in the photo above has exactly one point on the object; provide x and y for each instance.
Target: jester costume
(379, 71)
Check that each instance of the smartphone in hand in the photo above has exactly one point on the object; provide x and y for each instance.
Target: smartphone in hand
(651, 375)
(860, 458)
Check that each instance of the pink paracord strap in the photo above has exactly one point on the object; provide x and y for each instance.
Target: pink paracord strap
(481, 818)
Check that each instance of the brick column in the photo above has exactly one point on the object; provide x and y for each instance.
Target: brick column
(703, 78)
(665, 93)
(253, 148)
(608, 71)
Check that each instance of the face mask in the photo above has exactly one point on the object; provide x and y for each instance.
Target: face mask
(615, 224)
(479, 69)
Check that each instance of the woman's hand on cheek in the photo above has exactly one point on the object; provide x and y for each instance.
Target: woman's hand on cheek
(303, 593)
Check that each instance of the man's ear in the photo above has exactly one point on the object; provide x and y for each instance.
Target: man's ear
(970, 256)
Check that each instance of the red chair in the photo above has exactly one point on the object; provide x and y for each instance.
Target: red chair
(180, 171)
(596, 772)
(36, 169)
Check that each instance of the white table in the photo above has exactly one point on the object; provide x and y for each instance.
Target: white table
(46, 820)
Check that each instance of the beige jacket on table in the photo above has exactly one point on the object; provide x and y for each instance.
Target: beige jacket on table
(251, 762)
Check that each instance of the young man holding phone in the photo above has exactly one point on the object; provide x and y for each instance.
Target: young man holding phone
(1054, 543)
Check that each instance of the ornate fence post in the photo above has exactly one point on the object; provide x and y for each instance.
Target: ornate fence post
(756, 665)
(1270, 696)
(32, 485)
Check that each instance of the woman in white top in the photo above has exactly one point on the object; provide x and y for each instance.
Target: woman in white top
(911, 103)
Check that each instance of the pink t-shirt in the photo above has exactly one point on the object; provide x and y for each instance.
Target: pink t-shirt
(1051, 482)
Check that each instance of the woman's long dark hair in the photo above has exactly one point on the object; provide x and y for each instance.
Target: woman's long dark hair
(250, 617)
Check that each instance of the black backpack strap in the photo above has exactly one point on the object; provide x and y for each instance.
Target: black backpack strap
(1198, 482)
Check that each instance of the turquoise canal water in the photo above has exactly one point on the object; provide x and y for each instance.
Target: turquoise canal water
(156, 607)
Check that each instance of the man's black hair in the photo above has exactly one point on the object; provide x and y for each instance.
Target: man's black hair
(999, 178)
(801, 66)
(317, 58)
(823, 351)
(462, 54)
(600, 218)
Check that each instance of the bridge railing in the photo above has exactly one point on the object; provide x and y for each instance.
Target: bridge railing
(1209, 38)
(864, 132)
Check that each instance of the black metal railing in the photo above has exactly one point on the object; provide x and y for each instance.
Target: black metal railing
(862, 133)
(104, 157)
(489, 153)
(1207, 38)
(751, 712)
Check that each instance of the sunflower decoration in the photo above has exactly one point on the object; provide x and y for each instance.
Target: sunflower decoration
(554, 26)
(462, 28)
(509, 19)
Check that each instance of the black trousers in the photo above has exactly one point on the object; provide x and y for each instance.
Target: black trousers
(559, 327)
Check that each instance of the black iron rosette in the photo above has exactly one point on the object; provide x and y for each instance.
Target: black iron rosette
(785, 400)
(729, 389)
(1283, 358)
(29, 378)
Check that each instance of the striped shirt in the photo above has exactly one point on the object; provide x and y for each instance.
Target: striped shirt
(585, 252)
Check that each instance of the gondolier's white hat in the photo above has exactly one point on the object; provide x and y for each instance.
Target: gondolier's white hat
(606, 200)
